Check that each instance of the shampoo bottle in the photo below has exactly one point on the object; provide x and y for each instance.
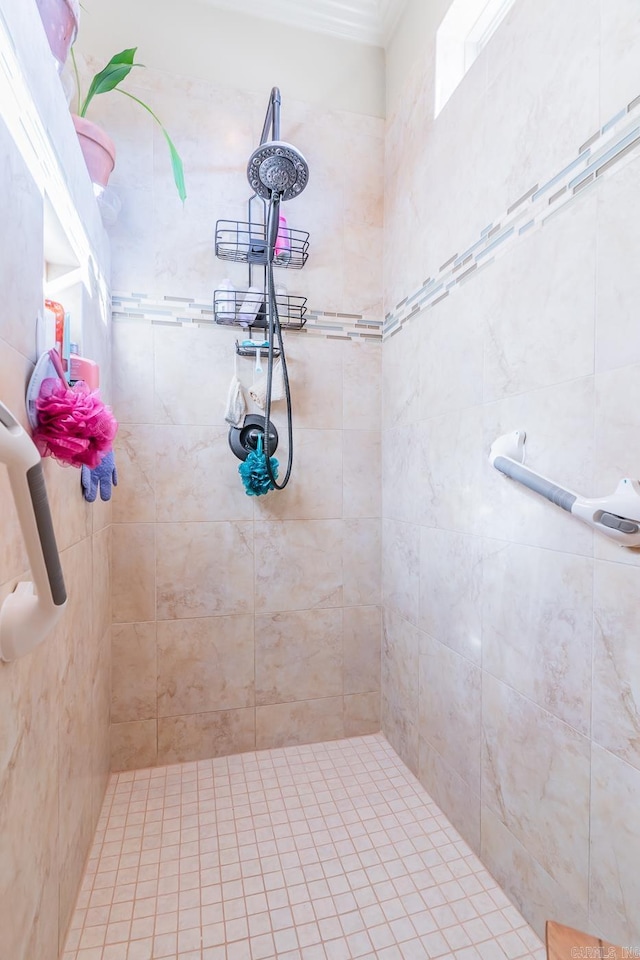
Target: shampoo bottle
(283, 241)
(226, 301)
(251, 306)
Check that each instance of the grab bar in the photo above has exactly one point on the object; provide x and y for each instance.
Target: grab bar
(616, 516)
(29, 613)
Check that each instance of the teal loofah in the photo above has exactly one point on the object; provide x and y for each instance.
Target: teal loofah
(254, 472)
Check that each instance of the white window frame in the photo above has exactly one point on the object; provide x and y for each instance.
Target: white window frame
(465, 31)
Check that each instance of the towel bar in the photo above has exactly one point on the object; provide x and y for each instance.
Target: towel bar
(30, 612)
(616, 516)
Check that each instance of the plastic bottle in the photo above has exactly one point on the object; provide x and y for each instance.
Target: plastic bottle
(283, 241)
(250, 306)
(282, 300)
(226, 301)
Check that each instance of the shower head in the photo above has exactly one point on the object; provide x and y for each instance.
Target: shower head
(277, 167)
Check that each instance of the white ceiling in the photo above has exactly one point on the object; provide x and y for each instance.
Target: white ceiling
(369, 21)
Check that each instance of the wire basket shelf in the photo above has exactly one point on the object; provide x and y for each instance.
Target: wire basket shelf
(246, 308)
(245, 242)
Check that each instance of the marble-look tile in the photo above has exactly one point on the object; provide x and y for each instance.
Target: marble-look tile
(133, 242)
(533, 122)
(205, 665)
(451, 351)
(308, 721)
(298, 656)
(133, 672)
(134, 499)
(400, 683)
(184, 252)
(361, 465)
(448, 466)
(204, 735)
(400, 568)
(100, 767)
(203, 359)
(364, 180)
(134, 745)
(314, 491)
(537, 626)
(361, 385)
(196, 475)
(619, 74)
(362, 263)
(558, 422)
(535, 778)
(615, 848)
(451, 792)
(101, 514)
(547, 277)
(528, 885)
(617, 335)
(70, 512)
(101, 558)
(204, 569)
(132, 364)
(451, 590)
(28, 853)
(402, 479)
(134, 572)
(361, 566)
(361, 714)
(616, 661)
(362, 636)
(77, 665)
(449, 708)
(401, 378)
(298, 565)
(75, 631)
(315, 375)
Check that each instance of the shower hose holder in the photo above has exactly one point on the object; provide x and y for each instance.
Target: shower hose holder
(244, 440)
(616, 516)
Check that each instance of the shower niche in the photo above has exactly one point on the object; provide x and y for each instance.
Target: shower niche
(245, 241)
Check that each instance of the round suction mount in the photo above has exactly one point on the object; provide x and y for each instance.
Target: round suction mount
(244, 440)
(277, 167)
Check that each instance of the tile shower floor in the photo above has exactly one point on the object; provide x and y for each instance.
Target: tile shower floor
(324, 852)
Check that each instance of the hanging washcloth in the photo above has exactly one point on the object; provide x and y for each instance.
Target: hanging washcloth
(236, 403)
(258, 390)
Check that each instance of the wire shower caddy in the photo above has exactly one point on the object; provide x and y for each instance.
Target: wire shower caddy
(245, 241)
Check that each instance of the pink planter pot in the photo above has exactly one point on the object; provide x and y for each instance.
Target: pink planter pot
(60, 20)
(98, 149)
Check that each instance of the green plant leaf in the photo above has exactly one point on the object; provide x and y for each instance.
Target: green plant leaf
(108, 79)
(176, 166)
(77, 76)
(176, 161)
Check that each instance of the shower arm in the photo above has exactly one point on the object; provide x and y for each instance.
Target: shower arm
(616, 516)
(272, 119)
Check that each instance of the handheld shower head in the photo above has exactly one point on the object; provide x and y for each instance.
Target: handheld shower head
(277, 168)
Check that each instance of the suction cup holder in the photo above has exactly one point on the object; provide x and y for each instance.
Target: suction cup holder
(244, 440)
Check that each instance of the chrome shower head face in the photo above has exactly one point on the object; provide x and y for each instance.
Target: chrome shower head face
(277, 167)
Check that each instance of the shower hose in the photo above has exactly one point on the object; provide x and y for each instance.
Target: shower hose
(275, 328)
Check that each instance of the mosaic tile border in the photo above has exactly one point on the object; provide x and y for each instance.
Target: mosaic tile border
(188, 311)
(610, 145)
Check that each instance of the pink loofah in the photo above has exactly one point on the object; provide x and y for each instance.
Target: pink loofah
(74, 425)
